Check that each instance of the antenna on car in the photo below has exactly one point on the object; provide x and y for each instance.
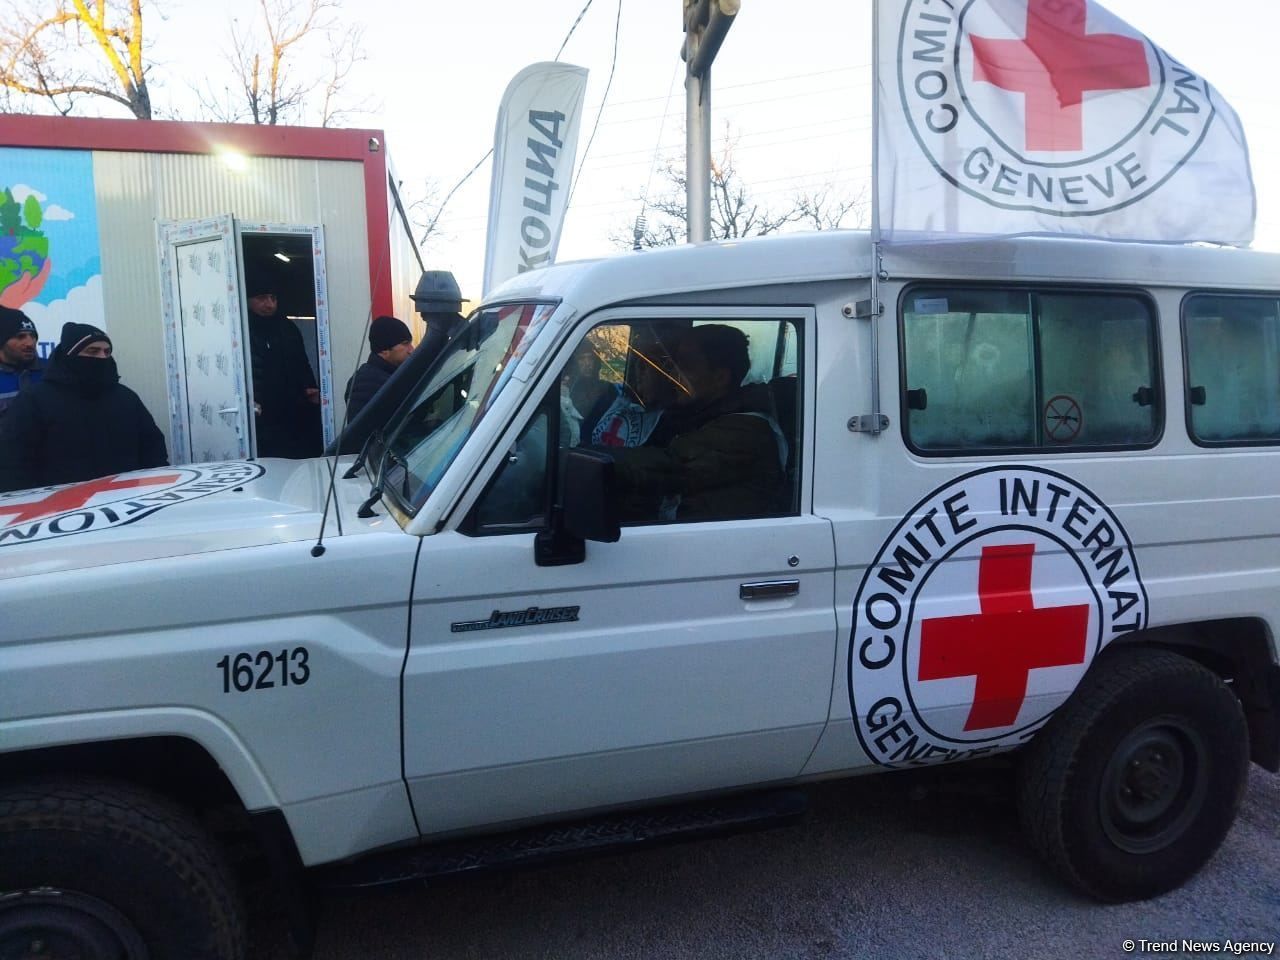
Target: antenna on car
(437, 299)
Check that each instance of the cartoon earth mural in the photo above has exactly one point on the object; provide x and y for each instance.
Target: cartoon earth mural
(24, 250)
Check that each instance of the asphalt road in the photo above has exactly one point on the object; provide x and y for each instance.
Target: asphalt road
(884, 867)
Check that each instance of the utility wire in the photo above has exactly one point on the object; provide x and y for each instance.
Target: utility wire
(657, 146)
(613, 66)
(430, 228)
(582, 14)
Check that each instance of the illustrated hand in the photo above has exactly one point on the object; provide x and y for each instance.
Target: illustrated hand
(25, 288)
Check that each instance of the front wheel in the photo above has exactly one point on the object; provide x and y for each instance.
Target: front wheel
(1134, 783)
(93, 870)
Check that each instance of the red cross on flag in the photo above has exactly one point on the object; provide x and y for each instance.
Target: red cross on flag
(1048, 117)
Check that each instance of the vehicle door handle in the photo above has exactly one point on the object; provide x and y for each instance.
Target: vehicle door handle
(769, 589)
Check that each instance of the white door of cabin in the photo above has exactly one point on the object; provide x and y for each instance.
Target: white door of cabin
(204, 341)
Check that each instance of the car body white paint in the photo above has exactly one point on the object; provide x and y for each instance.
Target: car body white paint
(669, 684)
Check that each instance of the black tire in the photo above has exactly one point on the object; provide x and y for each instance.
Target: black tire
(1134, 783)
(92, 869)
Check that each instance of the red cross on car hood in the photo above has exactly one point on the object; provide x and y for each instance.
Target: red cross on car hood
(167, 512)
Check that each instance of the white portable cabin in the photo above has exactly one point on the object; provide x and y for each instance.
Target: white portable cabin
(150, 227)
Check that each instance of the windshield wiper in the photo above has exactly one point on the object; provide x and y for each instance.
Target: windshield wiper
(375, 493)
(354, 470)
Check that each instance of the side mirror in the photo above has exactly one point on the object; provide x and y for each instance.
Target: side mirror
(1144, 396)
(588, 496)
(585, 509)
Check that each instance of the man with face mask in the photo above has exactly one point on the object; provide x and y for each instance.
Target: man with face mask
(79, 422)
(20, 368)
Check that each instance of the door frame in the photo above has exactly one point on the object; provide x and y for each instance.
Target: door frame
(324, 353)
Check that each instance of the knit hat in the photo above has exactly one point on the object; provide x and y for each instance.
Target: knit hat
(14, 322)
(77, 336)
(387, 332)
(260, 280)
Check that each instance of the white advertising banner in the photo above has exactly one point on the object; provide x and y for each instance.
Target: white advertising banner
(534, 148)
(1049, 116)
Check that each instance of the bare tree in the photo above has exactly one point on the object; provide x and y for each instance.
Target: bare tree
(735, 211)
(68, 49)
(273, 61)
(425, 207)
(828, 209)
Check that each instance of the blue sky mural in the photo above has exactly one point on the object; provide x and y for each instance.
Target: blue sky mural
(62, 183)
(50, 264)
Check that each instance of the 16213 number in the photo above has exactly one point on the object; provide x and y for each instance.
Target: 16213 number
(264, 670)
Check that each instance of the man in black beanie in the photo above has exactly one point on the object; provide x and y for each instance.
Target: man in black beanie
(286, 400)
(79, 422)
(390, 343)
(20, 368)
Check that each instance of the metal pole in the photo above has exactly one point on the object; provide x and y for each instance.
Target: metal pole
(706, 22)
(875, 218)
(698, 156)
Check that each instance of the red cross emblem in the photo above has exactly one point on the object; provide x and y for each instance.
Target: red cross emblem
(614, 437)
(1055, 65)
(1006, 641)
(70, 498)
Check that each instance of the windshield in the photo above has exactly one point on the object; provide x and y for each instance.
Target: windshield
(432, 427)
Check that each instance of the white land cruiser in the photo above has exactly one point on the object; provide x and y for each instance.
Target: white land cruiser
(640, 540)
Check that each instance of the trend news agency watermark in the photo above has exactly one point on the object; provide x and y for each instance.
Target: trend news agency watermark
(1237, 948)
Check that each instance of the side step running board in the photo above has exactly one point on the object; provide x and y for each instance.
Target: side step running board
(563, 841)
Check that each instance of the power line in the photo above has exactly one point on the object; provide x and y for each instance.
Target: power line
(756, 83)
(863, 123)
(617, 29)
(467, 176)
(745, 103)
(582, 14)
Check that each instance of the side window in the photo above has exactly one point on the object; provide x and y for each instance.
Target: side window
(516, 499)
(969, 361)
(700, 417)
(1028, 370)
(1233, 368)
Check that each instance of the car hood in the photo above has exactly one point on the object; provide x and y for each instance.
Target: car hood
(175, 511)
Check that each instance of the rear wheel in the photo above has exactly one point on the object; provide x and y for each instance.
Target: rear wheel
(1134, 783)
(91, 870)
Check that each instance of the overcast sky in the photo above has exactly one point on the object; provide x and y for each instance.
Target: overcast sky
(795, 92)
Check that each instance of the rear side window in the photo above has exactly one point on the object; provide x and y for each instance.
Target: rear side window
(1005, 370)
(1233, 368)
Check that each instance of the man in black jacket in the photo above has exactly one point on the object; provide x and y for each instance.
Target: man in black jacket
(79, 422)
(390, 343)
(286, 400)
(20, 368)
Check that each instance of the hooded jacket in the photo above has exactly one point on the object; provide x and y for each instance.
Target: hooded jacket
(78, 423)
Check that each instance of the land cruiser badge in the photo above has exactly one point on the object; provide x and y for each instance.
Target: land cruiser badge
(982, 611)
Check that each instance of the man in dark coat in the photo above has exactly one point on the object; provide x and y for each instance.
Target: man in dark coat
(79, 422)
(717, 453)
(20, 368)
(286, 399)
(390, 343)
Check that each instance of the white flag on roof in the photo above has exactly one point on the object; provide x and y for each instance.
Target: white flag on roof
(1048, 116)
